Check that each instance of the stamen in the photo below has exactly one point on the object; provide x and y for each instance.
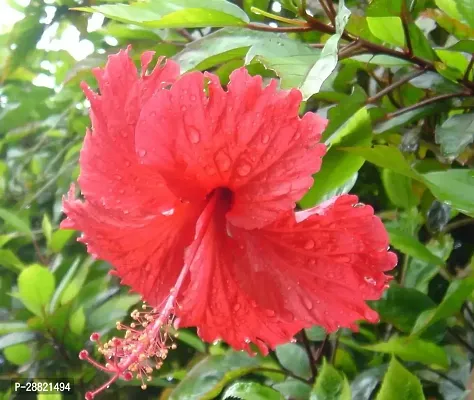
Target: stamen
(147, 339)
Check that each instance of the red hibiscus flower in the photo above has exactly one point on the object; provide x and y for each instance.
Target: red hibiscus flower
(190, 191)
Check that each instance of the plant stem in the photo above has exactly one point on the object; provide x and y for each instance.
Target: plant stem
(405, 19)
(309, 351)
(469, 68)
(328, 11)
(267, 28)
(279, 371)
(297, 22)
(423, 103)
(393, 86)
(184, 33)
(458, 224)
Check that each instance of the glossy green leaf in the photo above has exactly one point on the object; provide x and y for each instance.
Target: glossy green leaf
(455, 187)
(411, 246)
(401, 307)
(327, 61)
(293, 389)
(77, 321)
(15, 338)
(15, 222)
(261, 4)
(454, 26)
(105, 316)
(450, 8)
(466, 46)
(18, 354)
(174, 13)
(466, 10)
(456, 295)
(12, 326)
(207, 378)
(365, 383)
(47, 228)
(386, 157)
(9, 260)
(251, 391)
(400, 384)
(339, 167)
(230, 43)
(330, 384)
(316, 333)
(393, 124)
(36, 287)
(74, 283)
(399, 189)
(387, 29)
(294, 358)
(59, 239)
(455, 134)
(413, 349)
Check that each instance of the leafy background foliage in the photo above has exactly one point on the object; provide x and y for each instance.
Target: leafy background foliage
(394, 77)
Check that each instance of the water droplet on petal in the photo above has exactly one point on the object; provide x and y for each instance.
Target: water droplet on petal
(270, 313)
(237, 307)
(309, 244)
(142, 153)
(247, 340)
(293, 340)
(169, 212)
(358, 205)
(193, 135)
(244, 169)
(265, 139)
(223, 161)
(183, 108)
(128, 163)
(308, 303)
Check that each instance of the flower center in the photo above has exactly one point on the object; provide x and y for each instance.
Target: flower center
(224, 197)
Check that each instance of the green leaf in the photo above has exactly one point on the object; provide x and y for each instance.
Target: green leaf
(294, 358)
(466, 10)
(466, 46)
(413, 349)
(399, 189)
(9, 260)
(15, 221)
(393, 124)
(174, 13)
(401, 307)
(36, 287)
(420, 44)
(387, 29)
(47, 228)
(77, 321)
(366, 382)
(251, 391)
(18, 354)
(379, 59)
(400, 384)
(74, 285)
(231, 43)
(330, 385)
(261, 4)
(12, 326)
(455, 134)
(293, 389)
(290, 5)
(457, 293)
(316, 333)
(449, 7)
(104, 316)
(339, 167)
(59, 239)
(419, 273)
(207, 378)
(386, 157)
(455, 187)
(329, 56)
(15, 338)
(452, 25)
(411, 246)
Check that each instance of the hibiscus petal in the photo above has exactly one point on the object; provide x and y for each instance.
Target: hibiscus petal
(110, 171)
(215, 303)
(147, 252)
(322, 269)
(249, 139)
